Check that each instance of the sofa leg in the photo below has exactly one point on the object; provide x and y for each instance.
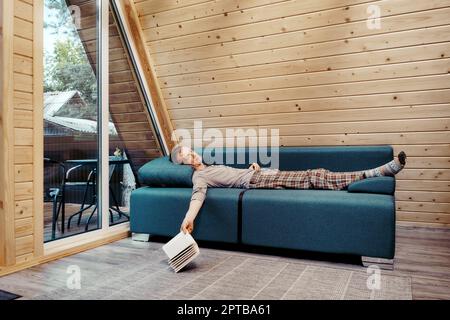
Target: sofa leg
(384, 264)
(142, 237)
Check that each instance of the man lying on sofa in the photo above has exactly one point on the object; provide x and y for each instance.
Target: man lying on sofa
(227, 177)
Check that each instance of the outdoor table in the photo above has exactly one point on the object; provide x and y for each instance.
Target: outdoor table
(113, 161)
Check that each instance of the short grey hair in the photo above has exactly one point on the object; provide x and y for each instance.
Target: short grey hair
(174, 154)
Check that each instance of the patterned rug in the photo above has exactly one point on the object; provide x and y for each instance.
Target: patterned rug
(133, 270)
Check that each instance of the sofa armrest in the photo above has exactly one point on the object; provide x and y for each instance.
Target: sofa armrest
(380, 185)
(162, 172)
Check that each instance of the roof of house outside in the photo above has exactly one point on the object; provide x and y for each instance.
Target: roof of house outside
(82, 125)
(55, 101)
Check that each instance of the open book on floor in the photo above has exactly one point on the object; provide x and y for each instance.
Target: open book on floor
(181, 250)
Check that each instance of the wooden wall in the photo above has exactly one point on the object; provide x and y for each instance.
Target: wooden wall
(314, 70)
(21, 148)
(127, 106)
(3, 141)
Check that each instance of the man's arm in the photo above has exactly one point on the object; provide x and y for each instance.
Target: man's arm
(197, 199)
(188, 222)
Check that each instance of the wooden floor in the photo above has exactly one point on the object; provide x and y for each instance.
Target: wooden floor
(422, 254)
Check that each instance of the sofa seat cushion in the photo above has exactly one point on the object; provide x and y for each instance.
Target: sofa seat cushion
(162, 172)
(160, 211)
(335, 158)
(320, 220)
(381, 185)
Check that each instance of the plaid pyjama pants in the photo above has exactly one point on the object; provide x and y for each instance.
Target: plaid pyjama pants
(309, 179)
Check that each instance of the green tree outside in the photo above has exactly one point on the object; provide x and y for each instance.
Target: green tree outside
(66, 65)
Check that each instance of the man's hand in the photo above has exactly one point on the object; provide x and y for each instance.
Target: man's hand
(255, 166)
(187, 225)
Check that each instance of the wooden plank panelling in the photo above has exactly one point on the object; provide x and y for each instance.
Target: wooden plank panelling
(23, 47)
(23, 190)
(24, 245)
(315, 71)
(284, 21)
(23, 118)
(24, 209)
(311, 51)
(23, 173)
(23, 137)
(23, 100)
(330, 33)
(23, 155)
(24, 227)
(23, 10)
(433, 67)
(7, 236)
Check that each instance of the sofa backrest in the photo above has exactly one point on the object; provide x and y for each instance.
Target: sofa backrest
(335, 158)
(161, 172)
(345, 158)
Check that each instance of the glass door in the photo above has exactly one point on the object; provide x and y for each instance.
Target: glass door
(71, 118)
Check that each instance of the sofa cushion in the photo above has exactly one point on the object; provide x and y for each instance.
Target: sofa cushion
(334, 158)
(160, 211)
(320, 220)
(164, 173)
(381, 185)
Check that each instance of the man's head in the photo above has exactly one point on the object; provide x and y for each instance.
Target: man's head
(185, 155)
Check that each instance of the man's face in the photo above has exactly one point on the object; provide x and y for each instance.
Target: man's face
(190, 157)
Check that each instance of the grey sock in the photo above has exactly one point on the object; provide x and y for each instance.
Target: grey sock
(389, 169)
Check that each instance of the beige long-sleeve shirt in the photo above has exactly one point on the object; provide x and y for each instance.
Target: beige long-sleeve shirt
(219, 176)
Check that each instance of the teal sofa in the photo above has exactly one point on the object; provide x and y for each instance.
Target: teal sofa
(357, 221)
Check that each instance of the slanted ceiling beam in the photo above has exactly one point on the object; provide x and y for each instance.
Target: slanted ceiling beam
(132, 28)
